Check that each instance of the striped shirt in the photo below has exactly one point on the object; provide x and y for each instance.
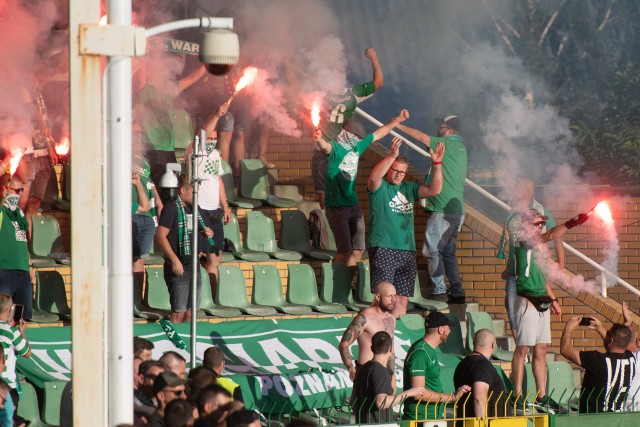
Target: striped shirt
(12, 343)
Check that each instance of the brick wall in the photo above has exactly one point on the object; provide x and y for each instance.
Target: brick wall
(478, 240)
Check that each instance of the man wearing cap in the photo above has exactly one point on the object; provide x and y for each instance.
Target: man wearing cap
(341, 199)
(15, 265)
(166, 388)
(446, 210)
(524, 190)
(533, 301)
(392, 243)
(422, 369)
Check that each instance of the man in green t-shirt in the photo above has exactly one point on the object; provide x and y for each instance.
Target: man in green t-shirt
(341, 200)
(392, 243)
(524, 190)
(533, 301)
(446, 210)
(337, 109)
(422, 369)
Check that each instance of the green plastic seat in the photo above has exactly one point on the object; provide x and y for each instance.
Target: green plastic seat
(227, 257)
(229, 188)
(139, 310)
(455, 343)
(261, 237)
(560, 384)
(51, 296)
(364, 283)
(45, 240)
(29, 408)
(232, 292)
(254, 184)
(154, 257)
(208, 306)
(336, 286)
(182, 131)
(232, 232)
(267, 290)
(302, 288)
(39, 316)
(424, 303)
(156, 293)
(413, 321)
(51, 406)
(481, 320)
(294, 236)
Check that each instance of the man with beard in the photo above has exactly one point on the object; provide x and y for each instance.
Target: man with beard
(422, 369)
(375, 318)
(392, 243)
(174, 239)
(341, 199)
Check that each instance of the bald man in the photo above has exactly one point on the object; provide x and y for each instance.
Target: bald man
(375, 318)
(477, 372)
(175, 363)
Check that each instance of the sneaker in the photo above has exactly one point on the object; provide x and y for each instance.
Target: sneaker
(547, 404)
(518, 404)
(440, 297)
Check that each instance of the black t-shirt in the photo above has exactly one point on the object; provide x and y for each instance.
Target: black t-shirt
(606, 380)
(169, 219)
(477, 368)
(371, 380)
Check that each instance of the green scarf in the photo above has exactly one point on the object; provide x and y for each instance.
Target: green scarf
(184, 237)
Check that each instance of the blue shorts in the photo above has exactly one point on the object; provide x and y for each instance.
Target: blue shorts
(395, 266)
(226, 123)
(180, 287)
(213, 219)
(143, 229)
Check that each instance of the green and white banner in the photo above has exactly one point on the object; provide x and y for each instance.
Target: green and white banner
(279, 364)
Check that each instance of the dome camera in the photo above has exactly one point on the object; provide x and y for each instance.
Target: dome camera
(219, 50)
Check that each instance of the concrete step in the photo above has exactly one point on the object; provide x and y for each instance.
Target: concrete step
(506, 343)
(499, 329)
(460, 310)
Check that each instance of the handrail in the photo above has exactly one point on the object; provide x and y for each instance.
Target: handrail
(505, 206)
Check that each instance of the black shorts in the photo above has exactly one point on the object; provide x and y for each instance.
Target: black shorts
(395, 266)
(213, 219)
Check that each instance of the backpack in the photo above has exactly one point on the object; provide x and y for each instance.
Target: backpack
(318, 229)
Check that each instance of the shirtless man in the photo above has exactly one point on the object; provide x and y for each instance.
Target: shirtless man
(370, 320)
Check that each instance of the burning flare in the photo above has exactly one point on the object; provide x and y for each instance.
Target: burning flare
(603, 211)
(315, 113)
(249, 76)
(15, 160)
(62, 147)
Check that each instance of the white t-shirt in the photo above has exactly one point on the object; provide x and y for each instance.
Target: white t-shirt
(209, 170)
(633, 396)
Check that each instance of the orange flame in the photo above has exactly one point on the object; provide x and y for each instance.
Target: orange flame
(603, 211)
(104, 20)
(15, 160)
(248, 77)
(62, 148)
(315, 113)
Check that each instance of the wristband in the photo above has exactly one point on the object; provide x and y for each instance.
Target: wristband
(437, 163)
(554, 299)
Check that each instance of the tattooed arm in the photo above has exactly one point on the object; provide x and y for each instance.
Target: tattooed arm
(350, 335)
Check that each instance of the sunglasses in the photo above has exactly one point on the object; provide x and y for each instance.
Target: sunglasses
(176, 392)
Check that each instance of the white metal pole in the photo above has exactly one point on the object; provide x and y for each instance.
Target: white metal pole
(196, 262)
(87, 291)
(120, 317)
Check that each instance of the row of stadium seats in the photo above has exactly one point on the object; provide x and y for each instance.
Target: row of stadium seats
(267, 297)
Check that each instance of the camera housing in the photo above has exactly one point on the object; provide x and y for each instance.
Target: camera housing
(219, 50)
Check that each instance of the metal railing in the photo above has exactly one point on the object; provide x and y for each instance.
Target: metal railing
(505, 206)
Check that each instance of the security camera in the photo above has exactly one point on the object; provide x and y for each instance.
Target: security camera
(169, 182)
(219, 50)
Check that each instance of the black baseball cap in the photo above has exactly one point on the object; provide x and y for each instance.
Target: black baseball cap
(453, 122)
(436, 319)
(167, 379)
